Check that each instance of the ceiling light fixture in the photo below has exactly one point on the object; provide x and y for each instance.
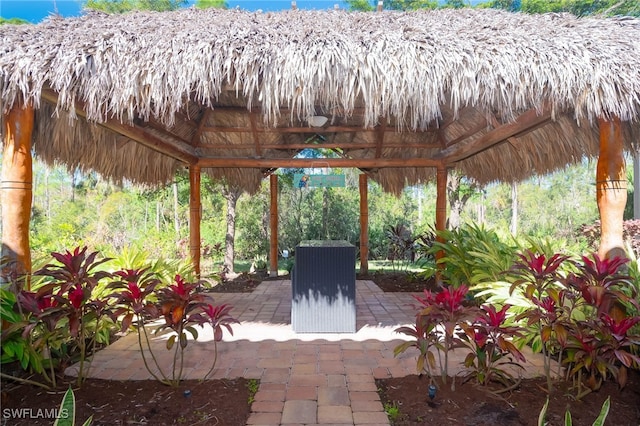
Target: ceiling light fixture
(317, 120)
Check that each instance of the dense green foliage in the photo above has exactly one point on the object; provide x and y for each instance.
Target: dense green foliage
(122, 6)
(13, 21)
(576, 7)
(76, 209)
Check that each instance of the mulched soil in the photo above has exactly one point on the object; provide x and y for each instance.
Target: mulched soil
(142, 402)
(473, 405)
(227, 402)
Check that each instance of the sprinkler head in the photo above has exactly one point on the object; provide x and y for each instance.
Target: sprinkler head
(187, 393)
(432, 391)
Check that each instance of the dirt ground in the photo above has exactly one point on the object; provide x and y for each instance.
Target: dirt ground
(142, 402)
(473, 405)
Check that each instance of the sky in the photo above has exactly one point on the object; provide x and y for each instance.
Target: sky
(36, 10)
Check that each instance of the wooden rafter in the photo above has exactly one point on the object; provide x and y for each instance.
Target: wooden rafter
(174, 149)
(495, 123)
(256, 136)
(203, 120)
(380, 138)
(304, 129)
(475, 129)
(327, 145)
(366, 163)
(523, 123)
(156, 125)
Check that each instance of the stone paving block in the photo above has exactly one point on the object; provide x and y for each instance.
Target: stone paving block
(304, 368)
(275, 375)
(336, 380)
(375, 406)
(329, 356)
(274, 363)
(367, 418)
(267, 406)
(363, 386)
(364, 396)
(253, 373)
(300, 411)
(340, 414)
(308, 380)
(264, 419)
(333, 396)
(270, 395)
(359, 378)
(381, 373)
(331, 367)
(302, 392)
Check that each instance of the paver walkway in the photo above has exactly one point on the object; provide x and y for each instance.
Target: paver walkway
(305, 379)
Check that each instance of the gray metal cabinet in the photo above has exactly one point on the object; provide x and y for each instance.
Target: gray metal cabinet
(324, 287)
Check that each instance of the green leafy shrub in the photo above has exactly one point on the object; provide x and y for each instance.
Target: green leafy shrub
(472, 255)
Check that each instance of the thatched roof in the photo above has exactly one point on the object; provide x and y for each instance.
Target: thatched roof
(499, 96)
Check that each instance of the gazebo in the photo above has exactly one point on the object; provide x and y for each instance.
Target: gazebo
(403, 96)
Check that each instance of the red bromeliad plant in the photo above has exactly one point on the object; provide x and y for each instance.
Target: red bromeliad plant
(492, 351)
(181, 307)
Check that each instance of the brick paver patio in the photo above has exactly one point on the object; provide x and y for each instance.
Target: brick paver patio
(305, 379)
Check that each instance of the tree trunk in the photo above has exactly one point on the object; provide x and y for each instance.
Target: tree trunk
(231, 194)
(47, 195)
(457, 199)
(325, 213)
(158, 209)
(514, 208)
(176, 214)
(636, 185)
(482, 209)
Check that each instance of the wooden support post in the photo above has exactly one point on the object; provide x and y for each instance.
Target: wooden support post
(273, 224)
(195, 215)
(611, 189)
(364, 225)
(15, 197)
(380, 6)
(441, 209)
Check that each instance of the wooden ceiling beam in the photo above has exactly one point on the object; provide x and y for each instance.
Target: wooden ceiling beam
(177, 150)
(203, 121)
(267, 163)
(495, 123)
(154, 124)
(327, 145)
(380, 138)
(475, 129)
(523, 123)
(305, 129)
(256, 135)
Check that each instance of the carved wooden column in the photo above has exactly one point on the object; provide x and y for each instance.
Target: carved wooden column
(15, 196)
(611, 189)
(364, 224)
(195, 215)
(273, 225)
